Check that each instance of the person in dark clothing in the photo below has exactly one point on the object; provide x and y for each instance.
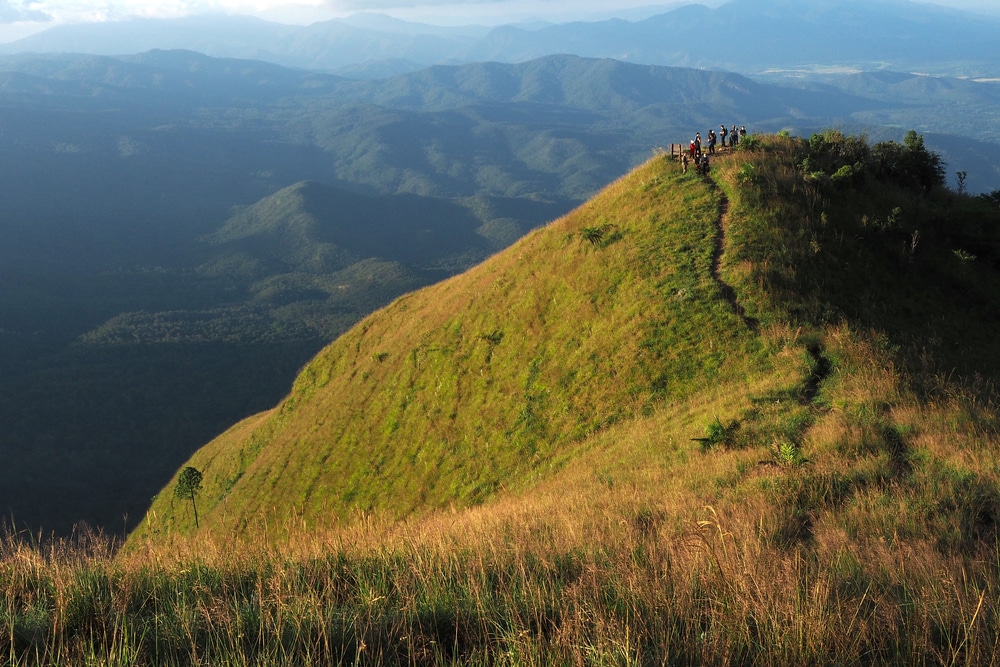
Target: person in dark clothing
(711, 141)
(722, 134)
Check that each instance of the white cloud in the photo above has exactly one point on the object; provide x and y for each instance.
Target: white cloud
(15, 12)
(383, 5)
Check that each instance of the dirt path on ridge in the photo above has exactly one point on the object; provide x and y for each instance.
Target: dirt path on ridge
(728, 293)
(821, 364)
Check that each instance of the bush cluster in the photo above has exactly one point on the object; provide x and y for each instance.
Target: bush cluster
(844, 161)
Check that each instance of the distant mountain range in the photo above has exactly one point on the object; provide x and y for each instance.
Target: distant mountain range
(747, 36)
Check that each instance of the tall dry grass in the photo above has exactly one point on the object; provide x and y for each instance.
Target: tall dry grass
(646, 551)
(620, 585)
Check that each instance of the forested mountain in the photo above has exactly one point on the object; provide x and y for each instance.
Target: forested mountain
(181, 233)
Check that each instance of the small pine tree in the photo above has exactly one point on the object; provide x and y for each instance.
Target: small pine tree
(188, 486)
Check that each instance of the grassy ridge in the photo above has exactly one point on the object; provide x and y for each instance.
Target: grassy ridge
(840, 503)
(498, 376)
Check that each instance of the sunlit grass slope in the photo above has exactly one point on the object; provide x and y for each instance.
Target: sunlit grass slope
(496, 378)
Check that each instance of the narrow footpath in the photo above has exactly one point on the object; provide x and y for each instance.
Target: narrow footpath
(821, 364)
(727, 291)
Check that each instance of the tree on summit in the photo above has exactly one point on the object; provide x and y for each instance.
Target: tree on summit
(188, 486)
(910, 164)
(846, 162)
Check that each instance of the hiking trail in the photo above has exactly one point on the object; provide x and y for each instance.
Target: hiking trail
(727, 291)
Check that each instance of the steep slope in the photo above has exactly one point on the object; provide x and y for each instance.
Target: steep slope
(493, 379)
(787, 286)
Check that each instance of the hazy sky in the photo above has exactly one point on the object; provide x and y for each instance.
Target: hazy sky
(19, 18)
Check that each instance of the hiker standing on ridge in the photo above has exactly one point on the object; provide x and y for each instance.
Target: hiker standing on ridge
(722, 134)
(734, 137)
(711, 142)
(697, 143)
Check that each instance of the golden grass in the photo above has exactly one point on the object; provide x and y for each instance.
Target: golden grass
(644, 550)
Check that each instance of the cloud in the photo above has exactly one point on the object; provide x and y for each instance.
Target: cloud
(382, 5)
(16, 13)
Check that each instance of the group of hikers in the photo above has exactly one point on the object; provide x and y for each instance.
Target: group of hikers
(700, 157)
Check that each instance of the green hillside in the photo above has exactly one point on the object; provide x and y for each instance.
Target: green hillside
(497, 377)
(744, 419)
(503, 376)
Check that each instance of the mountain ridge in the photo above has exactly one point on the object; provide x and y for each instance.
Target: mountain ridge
(739, 36)
(656, 292)
(444, 337)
